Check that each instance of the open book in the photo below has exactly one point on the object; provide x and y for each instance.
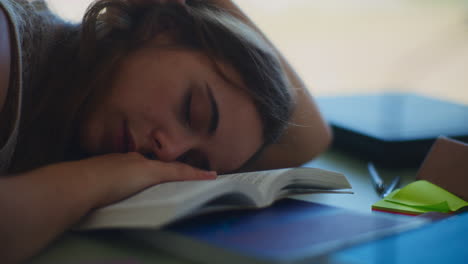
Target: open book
(167, 202)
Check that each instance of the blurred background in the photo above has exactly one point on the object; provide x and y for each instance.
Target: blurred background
(360, 46)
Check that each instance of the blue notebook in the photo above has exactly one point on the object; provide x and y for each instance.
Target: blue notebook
(290, 231)
(392, 129)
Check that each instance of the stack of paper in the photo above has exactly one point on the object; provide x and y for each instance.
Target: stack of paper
(420, 197)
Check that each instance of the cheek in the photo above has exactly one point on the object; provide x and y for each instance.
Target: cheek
(128, 102)
(140, 98)
(241, 137)
(89, 131)
(98, 120)
(236, 151)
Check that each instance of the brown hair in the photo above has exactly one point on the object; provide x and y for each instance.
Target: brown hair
(89, 53)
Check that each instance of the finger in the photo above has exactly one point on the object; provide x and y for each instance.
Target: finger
(176, 171)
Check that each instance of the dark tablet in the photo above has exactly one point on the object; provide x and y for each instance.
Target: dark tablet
(392, 129)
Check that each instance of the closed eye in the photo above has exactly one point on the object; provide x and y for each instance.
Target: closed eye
(214, 120)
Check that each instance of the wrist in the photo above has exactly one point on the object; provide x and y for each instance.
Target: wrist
(71, 182)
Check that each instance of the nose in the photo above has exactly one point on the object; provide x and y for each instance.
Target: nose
(169, 147)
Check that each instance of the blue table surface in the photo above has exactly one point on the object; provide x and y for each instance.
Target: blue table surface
(439, 242)
(444, 241)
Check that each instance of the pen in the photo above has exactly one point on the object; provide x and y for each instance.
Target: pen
(381, 189)
(376, 179)
(391, 187)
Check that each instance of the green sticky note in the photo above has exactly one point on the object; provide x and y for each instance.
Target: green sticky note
(392, 207)
(427, 197)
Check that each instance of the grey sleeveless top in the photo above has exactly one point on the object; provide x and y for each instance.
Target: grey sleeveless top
(7, 150)
(29, 21)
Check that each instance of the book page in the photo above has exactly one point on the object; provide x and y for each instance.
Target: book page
(170, 192)
(262, 179)
(266, 182)
(273, 184)
(156, 205)
(165, 202)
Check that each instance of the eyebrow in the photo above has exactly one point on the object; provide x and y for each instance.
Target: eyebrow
(214, 121)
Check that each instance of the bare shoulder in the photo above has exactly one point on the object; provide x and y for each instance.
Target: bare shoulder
(5, 57)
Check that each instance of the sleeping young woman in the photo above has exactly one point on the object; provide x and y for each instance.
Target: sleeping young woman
(141, 92)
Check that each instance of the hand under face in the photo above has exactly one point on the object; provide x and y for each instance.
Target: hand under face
(117, 176)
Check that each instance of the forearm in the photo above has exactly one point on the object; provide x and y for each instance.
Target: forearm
(308, 134)
(36, 207)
